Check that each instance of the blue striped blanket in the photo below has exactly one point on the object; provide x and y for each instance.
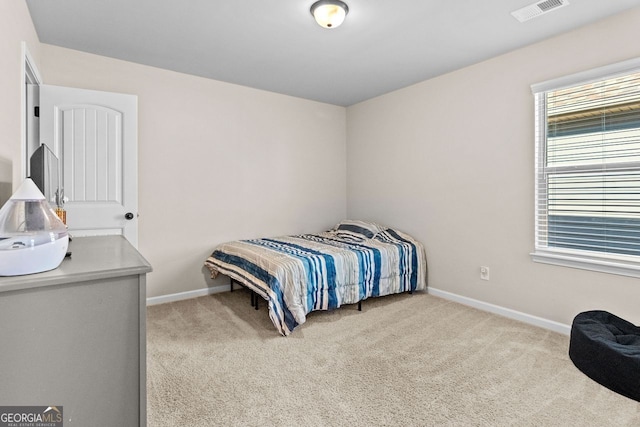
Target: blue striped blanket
(302, 273)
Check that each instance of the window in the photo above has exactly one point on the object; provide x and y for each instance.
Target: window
(588, 170)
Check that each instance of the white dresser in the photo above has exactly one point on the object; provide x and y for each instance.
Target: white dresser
(76, 336)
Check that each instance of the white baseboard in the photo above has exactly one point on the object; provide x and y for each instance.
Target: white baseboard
(481, 305)
(502, 311)
(187, 295)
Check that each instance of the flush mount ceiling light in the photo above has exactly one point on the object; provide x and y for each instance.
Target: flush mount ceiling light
(329, 13)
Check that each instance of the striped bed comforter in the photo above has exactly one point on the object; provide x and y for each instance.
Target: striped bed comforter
(303, 273)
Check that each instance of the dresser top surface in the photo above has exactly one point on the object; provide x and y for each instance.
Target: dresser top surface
(92, 258)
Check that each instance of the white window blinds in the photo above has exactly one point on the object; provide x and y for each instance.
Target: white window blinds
(588, 169)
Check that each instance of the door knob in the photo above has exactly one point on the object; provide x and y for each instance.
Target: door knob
(128, 216)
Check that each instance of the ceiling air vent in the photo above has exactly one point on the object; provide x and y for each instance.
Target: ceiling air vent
(537, 9)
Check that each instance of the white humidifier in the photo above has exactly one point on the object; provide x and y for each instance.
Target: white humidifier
(32, 237)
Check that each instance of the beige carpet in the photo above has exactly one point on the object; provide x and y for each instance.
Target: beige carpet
(405, 360)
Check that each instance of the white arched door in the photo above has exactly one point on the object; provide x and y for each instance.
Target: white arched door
(94, 134)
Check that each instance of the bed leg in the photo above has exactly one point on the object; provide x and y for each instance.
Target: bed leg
(359, 305)
(231, 284)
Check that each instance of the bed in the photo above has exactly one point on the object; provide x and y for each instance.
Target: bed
(299, 274)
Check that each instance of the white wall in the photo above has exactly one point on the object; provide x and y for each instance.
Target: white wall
(217, 162)
(15, 27)
(451, 160)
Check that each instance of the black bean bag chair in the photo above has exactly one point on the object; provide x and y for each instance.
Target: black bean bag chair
(607, 349)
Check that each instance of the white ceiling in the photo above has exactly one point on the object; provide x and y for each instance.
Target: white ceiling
(276, 45)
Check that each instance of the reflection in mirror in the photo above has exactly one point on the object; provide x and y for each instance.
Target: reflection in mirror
(6, 180)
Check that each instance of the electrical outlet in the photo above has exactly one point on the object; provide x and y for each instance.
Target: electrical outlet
(484, 273)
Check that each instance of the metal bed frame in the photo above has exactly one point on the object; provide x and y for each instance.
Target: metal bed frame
(255, 297)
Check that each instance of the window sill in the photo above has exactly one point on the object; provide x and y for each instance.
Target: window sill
(621, 266)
